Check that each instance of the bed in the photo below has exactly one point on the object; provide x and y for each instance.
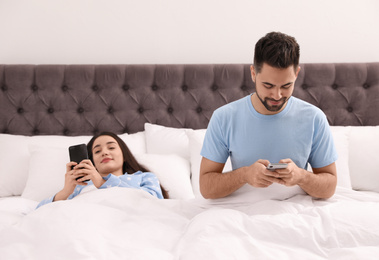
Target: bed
(162, 111)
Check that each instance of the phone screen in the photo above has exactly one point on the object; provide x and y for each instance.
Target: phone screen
(78, 153)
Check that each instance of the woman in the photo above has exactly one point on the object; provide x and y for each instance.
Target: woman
(110, 164)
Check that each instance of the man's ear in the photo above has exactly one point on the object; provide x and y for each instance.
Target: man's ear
(253, 74)
(297, 71)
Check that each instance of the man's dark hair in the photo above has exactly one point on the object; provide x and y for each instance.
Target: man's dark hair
(277, 50)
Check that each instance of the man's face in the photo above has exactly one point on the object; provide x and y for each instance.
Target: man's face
(273, 88)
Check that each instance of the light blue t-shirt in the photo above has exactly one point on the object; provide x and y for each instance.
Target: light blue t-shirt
(299, 132)
(146, 181)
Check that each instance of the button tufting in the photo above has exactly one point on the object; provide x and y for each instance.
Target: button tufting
(349, 109)
(4, 88)
(334, 86)
(125, 87)
(95, 88)
(199, 110)
(140, 110)
(66, 131)
(244, 87)
(126, 130)
(20, 110)
(35, 131)
(366, 86)
(95, 131)
(64, 88)
(50, 110)
(170, 110)
(304, 86)
(154, 87)
(34, 87)
(80, 110)
(110, 110)
(184, 87)
(5, 131)
(214, 87)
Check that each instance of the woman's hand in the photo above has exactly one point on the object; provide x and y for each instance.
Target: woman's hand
(70, 182)
(88, 172)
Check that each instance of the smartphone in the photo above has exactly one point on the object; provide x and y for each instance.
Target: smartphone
(275, 166)
(78, 153)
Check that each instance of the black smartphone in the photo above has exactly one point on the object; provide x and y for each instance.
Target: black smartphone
(78, 153)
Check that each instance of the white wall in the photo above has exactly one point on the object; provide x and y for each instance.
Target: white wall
(179, 31)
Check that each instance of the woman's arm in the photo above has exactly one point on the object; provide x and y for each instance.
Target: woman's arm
(69, 191)
(146, 181)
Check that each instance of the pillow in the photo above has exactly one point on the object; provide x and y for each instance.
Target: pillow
(136, 142)
(14, 162)
(341, 141)
(47, 164)
(364, 153)
(196, 138)
(172, 171)
(166, 140)
(51, 152)
(46, 177)
(57, 140)
(47, 170)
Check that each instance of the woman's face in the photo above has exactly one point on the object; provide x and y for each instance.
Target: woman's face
(107, 156)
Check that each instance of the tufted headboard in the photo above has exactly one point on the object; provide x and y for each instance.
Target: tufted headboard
(86, 99)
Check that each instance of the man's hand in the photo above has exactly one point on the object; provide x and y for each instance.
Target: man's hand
(321, 183)
(258, 176)
(290, 176)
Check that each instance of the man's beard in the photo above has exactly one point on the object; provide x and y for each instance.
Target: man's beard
(274, 108)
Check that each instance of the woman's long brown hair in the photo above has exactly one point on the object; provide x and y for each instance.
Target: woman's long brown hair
(130, 164)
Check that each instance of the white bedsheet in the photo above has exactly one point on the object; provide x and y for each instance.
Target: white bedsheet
(120, 223)
(12, 209)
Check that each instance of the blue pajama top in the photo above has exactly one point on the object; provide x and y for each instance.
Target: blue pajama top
(146, 181)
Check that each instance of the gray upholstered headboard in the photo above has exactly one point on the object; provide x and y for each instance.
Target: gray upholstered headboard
(85, 99)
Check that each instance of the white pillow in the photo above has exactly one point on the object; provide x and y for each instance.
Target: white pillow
(47, 170)
(166, 140)
(172, 171)
(341, 141)
(51, 151)
(14, 163)
(136, 142)
(363, 157)
(196, 138)
(58, 141)
(47, 164)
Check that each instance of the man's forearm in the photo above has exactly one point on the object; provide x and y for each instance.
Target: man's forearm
(215, 185)
(319, 185)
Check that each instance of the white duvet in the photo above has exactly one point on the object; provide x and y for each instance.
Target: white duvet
(120, 223)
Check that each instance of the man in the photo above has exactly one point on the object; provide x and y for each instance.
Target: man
(269, 126)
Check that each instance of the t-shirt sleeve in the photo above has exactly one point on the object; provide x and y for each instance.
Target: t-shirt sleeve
(323, 150)
(215, 147)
